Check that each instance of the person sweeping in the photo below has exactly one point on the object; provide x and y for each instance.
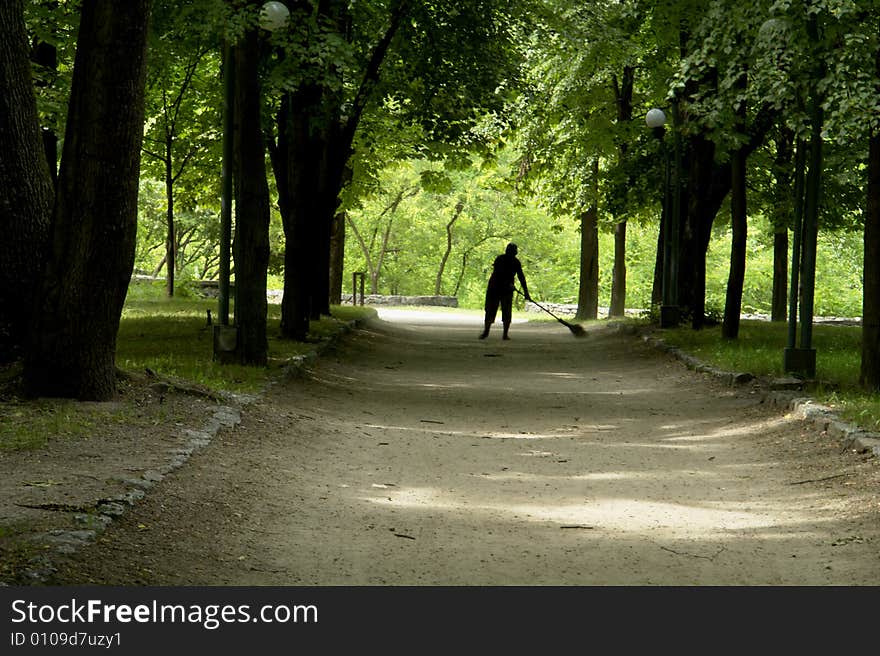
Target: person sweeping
(499, 290)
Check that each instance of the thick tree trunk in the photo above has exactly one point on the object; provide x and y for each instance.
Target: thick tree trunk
(72, 349)
(618, 275)
(869, 377)
(251, 247)
(26, 186)
(737, 273)
(588, 296)
(337, 248)
(332, 173)
(337, 257)
(297, 180)
(739, 226)
(320, 144)
(588, 290)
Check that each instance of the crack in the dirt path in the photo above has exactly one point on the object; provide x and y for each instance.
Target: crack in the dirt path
(692, 555)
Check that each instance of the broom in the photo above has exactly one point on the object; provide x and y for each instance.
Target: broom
(576, 330)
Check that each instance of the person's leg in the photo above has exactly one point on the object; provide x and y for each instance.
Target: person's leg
(491, 312)
(506, 313)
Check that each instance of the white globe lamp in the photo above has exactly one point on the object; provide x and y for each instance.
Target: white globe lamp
(274, 16)
(655, 118)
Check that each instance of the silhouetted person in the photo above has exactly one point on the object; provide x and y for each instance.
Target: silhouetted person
(499, 291)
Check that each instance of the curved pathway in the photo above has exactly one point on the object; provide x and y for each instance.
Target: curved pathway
(417, 454)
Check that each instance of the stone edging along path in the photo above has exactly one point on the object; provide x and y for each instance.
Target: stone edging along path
(228, 415)
(781, 393)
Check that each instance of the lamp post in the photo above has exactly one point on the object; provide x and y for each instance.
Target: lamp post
(273, 16)
(669, 314)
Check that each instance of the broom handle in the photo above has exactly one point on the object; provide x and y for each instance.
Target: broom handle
(540, 306)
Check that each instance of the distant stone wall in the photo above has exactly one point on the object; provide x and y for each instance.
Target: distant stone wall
(570, 309)
(211, 288)
(382, 299)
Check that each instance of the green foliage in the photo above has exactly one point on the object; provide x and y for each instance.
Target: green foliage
(549, 248)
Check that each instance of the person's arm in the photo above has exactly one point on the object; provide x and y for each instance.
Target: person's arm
(522, 281)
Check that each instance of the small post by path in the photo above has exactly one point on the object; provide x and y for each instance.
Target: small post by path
(357, 276)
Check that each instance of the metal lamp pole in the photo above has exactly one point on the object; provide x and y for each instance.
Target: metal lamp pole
(669, 314)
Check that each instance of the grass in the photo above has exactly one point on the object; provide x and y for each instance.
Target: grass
(172, 338)
(31, 425)
(759, 349)
(168, 336)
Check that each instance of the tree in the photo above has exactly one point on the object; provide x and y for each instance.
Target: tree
(430, 64)
(180, 121)
(26, 188)
(869, 375)
(251, 246)
(71, 350)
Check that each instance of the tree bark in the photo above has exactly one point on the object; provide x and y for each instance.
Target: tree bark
(337, 248)
(781, 221)
(72, 348)
(869, 377)
(319, 143)
(618, 276)
(739, 224)
(26, 186)
(337, 257)
(295, 175)
(623, 95)
(251, 246)
(588, 293)
(170, 237)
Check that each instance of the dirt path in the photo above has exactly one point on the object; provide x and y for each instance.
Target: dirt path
(416, 454)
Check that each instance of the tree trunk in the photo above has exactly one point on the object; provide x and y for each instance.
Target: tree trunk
(657, 282)
(73, 345)
(618, 276)
(869, 376)
(296, 182)
(330, 180)
(736, 276)
(623, 95)
(170, 238)
(438, 283)
(588, 293)
(779, 309)
(251, 246)
(739, 226)
(781, 221)
(337, 248)
(317, 156)
(26, 187)
(337, 257)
